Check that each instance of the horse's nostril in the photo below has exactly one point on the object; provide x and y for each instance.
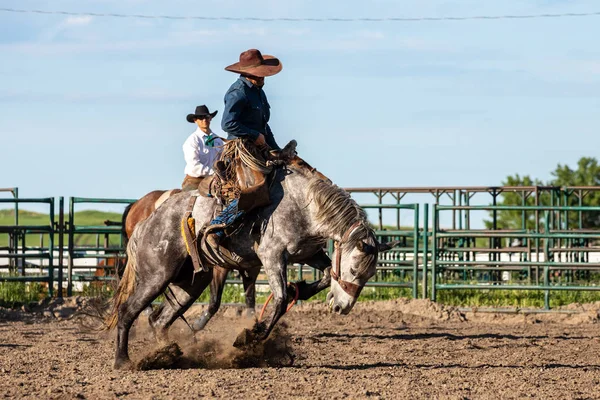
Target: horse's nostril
(337, 309)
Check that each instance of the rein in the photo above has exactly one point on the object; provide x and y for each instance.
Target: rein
(336, 273)
(238, 149)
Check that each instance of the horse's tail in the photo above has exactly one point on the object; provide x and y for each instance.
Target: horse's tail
(125, 288)
(123, 224)
(120, 268)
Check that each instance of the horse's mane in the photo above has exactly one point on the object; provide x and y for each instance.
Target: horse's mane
(337, 211)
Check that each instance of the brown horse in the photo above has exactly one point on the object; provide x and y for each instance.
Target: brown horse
(107, 268)
(141, 209)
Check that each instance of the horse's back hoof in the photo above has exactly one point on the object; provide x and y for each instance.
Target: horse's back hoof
(122, 365)
(199, 324)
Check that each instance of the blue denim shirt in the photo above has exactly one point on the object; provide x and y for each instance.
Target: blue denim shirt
(247, 112)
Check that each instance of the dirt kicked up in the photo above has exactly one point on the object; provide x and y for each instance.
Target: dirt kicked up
(386, 350)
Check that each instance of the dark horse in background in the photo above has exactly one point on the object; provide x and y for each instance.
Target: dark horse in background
(306, 211)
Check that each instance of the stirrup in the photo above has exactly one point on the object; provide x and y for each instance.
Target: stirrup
(219, 255)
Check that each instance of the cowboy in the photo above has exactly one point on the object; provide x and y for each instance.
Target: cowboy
(247, 111)
(246, 116)
(201, 149)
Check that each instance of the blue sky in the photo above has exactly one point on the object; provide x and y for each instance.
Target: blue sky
(96, 107)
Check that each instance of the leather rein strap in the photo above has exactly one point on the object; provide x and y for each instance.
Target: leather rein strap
(336, 273)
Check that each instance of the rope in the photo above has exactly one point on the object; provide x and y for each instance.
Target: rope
(240, 149)
(297, 293)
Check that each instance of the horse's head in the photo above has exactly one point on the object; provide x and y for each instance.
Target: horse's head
(335, 215)
(354, 263)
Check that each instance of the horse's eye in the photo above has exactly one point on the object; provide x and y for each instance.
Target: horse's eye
(353, 271)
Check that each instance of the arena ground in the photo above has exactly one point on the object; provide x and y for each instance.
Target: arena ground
(389, 350)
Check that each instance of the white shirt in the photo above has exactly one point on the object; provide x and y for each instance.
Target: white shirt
(199, 158)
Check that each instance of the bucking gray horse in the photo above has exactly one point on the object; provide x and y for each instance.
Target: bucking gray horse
(306, 210)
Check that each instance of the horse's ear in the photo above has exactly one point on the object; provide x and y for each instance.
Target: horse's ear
(289, 151)
(387, 246)
(365, 247)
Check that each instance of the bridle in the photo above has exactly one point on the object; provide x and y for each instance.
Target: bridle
(351, 288)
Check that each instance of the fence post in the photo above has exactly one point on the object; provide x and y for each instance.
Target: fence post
(15, 235)
(434, 252)
(61, 244)
(70, 248)
(51, 250)
(547, 216)
(416, 252)
(425, 247)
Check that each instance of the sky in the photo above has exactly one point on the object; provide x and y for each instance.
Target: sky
(95, 107)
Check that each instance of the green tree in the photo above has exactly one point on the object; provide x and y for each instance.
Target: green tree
(513, 219)
(587, 173)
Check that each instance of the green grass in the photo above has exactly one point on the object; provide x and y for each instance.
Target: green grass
(513, 298)
(15, 294)
(84, 217)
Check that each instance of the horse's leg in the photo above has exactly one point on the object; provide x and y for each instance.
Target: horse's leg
(219, 276)
(178, 299)
(153, 316)
(276, 268)
(321, 262)
(308, 290)
(144, 293)
(249, 280)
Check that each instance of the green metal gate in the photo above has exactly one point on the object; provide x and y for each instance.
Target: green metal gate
(108, 243)
(551, 250)
(461, 262)
(20, 251)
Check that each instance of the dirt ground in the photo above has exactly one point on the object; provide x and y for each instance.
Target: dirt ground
(386, 350)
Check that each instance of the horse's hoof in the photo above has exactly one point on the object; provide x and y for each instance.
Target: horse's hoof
(198, 324)
(123, 364)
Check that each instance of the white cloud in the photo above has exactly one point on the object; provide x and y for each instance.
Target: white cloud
(78, 20)
(49, 35)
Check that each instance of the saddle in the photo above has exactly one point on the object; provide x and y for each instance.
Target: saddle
(241, 173)
(236, 178)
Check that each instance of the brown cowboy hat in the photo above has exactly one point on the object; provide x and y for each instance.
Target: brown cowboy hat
(253, 63)
(201, 112)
